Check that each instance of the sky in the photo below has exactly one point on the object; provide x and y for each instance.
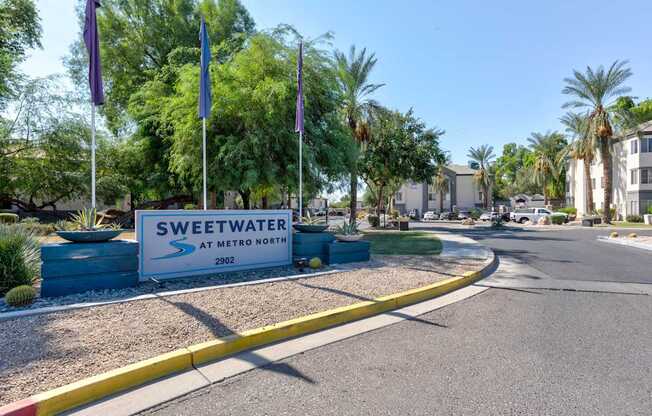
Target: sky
(485, 72)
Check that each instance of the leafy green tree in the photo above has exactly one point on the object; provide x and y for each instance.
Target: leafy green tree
(508, 172)
(44, 156)
(400, 149)
(582, 147)
(548, 168)
(142, 39)
(20, 30)
(252, 143)
(353, 75)
(484, 156)
(595, 90)
(629, 114)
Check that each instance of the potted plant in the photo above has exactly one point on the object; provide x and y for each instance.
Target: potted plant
(348, 232)
(311, 225)
(403, 223)
(86, 227)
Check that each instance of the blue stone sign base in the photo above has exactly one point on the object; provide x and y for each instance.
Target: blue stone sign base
(311, 245)
(348, 252)
(69, 268)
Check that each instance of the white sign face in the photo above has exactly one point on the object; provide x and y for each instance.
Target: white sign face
(177, 243)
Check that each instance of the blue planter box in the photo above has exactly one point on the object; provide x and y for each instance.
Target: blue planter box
(79, 267)
(351, 252)
(311, 245)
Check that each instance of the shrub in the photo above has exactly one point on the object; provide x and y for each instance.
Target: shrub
(649, 209)
(614, 234)
(19, 257)
(8, 218)
(37, 228)
(568, 210)
(30, 220)
(544, 220)
(475, 213)
(612, 210)
(374, 220)
(634, 218)
(190, 206)
(394, 214)
(558, 219)
(20, 296)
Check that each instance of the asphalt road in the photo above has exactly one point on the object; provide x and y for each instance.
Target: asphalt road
(504, 352)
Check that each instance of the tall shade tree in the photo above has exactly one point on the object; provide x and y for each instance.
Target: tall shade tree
(582, 147)
(353, 75)
(596, 90)
(20, 30)
(483, 156)
(400, 149)
(546, 166)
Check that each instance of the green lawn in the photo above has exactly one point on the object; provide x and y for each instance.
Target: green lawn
(404, 243)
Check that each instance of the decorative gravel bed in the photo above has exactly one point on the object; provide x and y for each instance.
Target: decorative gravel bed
(164, 285)
(45, 351)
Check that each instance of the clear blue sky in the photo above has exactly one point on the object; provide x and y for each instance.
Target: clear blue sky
(486, 72)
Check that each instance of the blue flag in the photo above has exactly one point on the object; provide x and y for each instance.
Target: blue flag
(205, 76)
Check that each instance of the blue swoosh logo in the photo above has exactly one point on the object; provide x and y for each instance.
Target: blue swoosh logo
(182, 249)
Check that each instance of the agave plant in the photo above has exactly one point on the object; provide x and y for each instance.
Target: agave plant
(347, 229)
(87, 220)
(309, 220)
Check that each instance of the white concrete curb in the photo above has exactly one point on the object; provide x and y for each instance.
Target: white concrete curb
(622, 242)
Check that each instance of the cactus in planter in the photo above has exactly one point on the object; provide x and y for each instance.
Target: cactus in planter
(20, 296)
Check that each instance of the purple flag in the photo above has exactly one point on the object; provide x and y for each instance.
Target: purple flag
(92, 42)
(205, 101)
(298, 125)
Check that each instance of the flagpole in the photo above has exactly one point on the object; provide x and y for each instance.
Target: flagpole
(93, 155)
(300, 176)
(204, 159)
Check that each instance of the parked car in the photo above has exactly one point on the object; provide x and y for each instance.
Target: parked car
(463, 215)
(489, 216)
(413, 214)
(505, 216)
(320, 213)
(529, 214)
(430, 216)
(447, 216)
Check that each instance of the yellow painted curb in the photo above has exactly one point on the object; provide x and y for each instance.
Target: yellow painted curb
(102, 385)
(232, 344)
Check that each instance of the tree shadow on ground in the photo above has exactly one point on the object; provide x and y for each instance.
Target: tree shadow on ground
(219, 329)
(368, 299)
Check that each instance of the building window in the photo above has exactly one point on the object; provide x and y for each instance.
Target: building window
(592, 183)
(634, 177)
(398, 196)
(645, 176)
(645, 144)
(633, 207)
(480, 196)
(602, 182)
(634, 146)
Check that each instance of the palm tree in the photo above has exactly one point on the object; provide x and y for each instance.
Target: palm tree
(440, 182)
(545, 169)
(596, 90)
(581, 148)
(352, 73)
(484, 156)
